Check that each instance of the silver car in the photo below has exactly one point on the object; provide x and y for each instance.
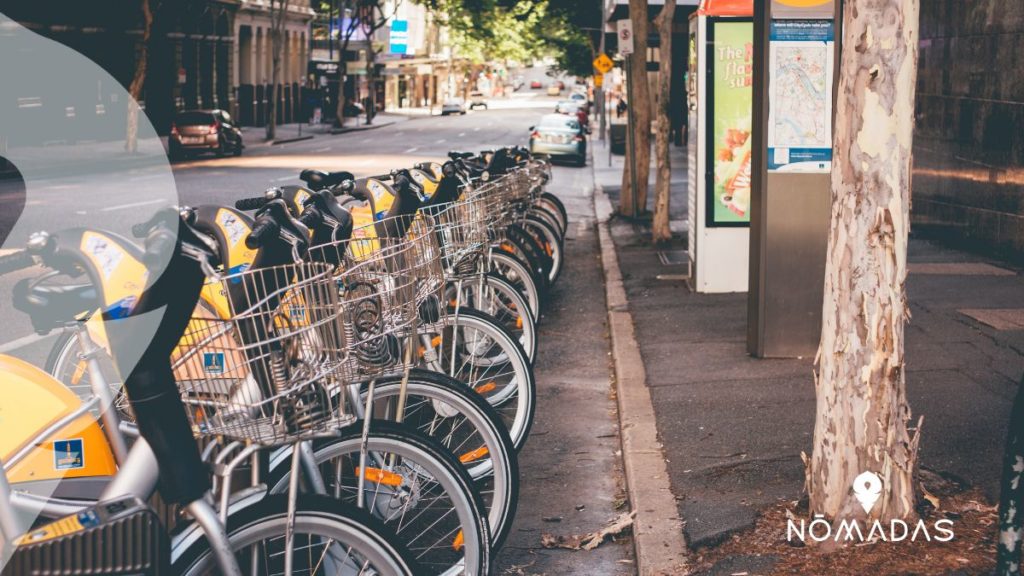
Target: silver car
(453, 106)
(559, 136)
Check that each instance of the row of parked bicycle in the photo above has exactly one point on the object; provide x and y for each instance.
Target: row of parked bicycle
(332, 378)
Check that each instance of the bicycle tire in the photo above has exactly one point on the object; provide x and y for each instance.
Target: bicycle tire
(548, 198)
(325, 515)
(516, 400)
(551, 241)
(515, 272)
(496, 475)
(505, 303)
(421, 457)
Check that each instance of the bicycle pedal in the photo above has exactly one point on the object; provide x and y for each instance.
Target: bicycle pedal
(119, 537)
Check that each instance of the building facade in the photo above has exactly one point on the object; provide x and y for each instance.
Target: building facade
(968, 179)
(253, 56)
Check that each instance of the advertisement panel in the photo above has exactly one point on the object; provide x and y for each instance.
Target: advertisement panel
(800, 61)
(730, 96)
(803, 8)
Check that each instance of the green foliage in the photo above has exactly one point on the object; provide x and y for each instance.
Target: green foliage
(522, 30)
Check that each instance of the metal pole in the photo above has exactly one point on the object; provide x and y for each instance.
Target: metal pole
(629, 133)
(599, 92)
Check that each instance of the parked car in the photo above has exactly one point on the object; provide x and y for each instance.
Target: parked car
(535, 85)
(567, 107)
(453, 106)
(517, 83)
(581, 99)
(554, 89)
(559, 136)
(477, 100)
(204, 131)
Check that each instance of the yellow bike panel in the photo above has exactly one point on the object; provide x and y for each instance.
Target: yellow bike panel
(123, 277)
(34, 402)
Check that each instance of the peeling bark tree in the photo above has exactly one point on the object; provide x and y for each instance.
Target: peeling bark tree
(131, 140)
(660, 231)
(862, 411)
(641, 104)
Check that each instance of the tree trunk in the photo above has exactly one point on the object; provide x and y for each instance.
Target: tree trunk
(371, 104)
(862, 412)
(660, 231)
(640, 101)
(131, 141)
(277, 19)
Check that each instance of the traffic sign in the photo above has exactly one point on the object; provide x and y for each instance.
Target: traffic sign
(624, 31)
(603, 63)
(598, 80)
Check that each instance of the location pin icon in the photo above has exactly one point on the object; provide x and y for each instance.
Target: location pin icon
(867, 488)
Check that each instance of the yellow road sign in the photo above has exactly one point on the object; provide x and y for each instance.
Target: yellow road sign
(598, 80)
(603, 63)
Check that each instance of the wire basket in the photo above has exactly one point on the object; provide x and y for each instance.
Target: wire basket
(389, 276)
(461, 231)
(262, 369)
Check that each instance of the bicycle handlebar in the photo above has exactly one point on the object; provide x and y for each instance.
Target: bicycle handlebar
(263, 230)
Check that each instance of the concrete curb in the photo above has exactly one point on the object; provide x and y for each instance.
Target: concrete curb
(289, 140)
(657, 530)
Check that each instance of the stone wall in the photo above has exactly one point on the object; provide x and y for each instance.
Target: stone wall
(968, 184)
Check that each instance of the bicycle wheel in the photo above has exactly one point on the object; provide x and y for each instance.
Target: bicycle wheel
(412, 485)
(515, 272)
(328, 539)
(544, 213)
(526, 246)
(556, 205)
(549, 240)
(496, 296)
(473, 348)
(462, 421)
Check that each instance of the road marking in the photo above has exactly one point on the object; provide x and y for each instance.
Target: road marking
(132, 205)
(21, 342)
(441, 141)
(324, 149)
(284, 179)
(477, 129)
(461, 134)
(411, 150)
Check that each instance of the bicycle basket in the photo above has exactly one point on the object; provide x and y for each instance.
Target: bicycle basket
(260, 369)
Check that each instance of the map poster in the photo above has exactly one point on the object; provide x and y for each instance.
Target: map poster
(800, 60)
(731, 58)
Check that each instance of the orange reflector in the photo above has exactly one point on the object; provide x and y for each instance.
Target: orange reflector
(547, 248)
(435, 341)
(474, 455)
(485, 388)
(519, 322)
(378, 476)
(459, 542)
(508, 247)
(453, 302)
(422, 351)
(512, 305)
(79, 372)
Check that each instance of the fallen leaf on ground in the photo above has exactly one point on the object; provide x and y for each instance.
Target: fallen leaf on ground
(589, 541)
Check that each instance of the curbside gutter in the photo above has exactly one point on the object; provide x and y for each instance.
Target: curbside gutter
(657, 529)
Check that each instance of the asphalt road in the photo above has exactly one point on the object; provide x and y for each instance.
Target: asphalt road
(570, 477)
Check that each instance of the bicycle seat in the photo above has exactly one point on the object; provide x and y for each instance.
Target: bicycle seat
(51, 306)
(318, 180)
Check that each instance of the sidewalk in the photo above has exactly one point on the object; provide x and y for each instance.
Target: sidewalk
(733, 427)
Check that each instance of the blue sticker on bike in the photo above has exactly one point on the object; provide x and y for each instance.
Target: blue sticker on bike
(68, 454)
(213, 362)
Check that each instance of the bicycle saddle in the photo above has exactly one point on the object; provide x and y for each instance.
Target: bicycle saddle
(318, 180)
(52, 306)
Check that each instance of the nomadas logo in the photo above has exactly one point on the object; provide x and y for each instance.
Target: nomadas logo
(867, 489)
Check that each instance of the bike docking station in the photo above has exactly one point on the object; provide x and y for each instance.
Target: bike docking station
(719, 92)
(794, 94)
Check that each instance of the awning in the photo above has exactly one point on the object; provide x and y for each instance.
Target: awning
(726, 8)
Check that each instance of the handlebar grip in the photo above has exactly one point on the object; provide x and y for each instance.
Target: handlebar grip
(260, 232)
(141, 230)
(247, 204)
(16, 261)
(311, 217)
